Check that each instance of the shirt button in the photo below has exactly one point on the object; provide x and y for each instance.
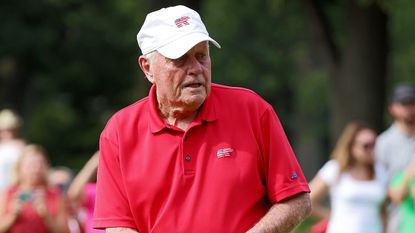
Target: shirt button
(186, 138)
(187, 158)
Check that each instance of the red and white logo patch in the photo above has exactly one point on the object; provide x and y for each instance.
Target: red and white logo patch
(224, 152)
(182, 21)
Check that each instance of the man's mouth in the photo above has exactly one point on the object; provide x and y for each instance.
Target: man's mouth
(193, 85)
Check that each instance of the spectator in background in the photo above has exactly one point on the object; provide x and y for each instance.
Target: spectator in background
(402, 192)
(61, 177)
(11, 145)
(31, 205)
(395, 148)
(357, 189)
(82, 191)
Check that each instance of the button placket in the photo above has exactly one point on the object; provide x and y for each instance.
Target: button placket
(188, 157)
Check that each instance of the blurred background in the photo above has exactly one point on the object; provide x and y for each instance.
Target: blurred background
(67, 65)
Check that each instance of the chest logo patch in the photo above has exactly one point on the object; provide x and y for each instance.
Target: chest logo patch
(224, 152)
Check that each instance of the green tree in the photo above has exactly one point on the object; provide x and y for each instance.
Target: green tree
(66, 66)
(356, 59)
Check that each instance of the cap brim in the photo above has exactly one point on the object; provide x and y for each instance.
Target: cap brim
(179, 47)
(404, 100)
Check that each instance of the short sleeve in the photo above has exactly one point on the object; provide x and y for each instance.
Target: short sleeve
(111, 205)
(284, 177)
(329, 173)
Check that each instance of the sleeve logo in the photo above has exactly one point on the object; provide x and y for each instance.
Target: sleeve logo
(294, 176)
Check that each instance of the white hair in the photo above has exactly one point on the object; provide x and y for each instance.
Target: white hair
(150, 56)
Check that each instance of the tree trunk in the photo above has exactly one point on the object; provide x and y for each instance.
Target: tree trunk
(357, 74)
(357, 68)
(357, 85)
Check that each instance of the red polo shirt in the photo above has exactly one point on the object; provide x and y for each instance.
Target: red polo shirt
(220, 175)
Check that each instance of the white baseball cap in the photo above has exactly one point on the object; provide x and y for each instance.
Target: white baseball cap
(172, 32)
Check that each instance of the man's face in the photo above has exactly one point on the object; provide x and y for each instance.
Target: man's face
(183, 82)
(7, 134)
(403, 112)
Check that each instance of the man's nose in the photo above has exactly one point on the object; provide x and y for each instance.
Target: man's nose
(195, 67)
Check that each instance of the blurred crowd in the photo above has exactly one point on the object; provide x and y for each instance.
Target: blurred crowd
(35, 197)
(367, 185)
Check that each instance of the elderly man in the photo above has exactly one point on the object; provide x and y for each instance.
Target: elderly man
(195, 156)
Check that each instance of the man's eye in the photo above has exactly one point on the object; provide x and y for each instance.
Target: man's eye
(180, 61)
(201, 56)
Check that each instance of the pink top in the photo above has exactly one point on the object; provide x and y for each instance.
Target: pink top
(90, 191)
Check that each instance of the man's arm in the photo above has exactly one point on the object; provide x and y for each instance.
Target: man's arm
(120, 230)
(282, 217)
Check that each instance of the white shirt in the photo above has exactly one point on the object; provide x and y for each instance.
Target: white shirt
(9, 154)
(355, 204)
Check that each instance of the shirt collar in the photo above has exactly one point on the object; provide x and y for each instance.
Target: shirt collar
(207, 112)
(398, 131)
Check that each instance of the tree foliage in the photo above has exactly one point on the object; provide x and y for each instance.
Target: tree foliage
(66, 66)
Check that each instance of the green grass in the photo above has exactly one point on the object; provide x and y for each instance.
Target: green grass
(304, 227)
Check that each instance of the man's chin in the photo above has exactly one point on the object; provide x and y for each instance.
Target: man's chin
(195, 100)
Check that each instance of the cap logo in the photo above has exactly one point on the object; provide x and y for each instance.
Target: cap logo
(180, 22)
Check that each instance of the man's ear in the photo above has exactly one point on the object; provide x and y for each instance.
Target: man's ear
(144, 64)
(392, 108)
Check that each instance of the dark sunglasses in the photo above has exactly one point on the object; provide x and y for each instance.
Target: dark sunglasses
(367, 145)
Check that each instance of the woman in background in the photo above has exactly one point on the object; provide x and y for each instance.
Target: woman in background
(357, 189)
(31, 205)
(11, 145)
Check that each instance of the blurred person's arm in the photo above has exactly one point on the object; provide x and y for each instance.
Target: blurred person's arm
(7, 220)
(120, 230)
(87, 172)
(284, 216)
(319, 190)
(62, 217)
(54, 225)
(397, 193)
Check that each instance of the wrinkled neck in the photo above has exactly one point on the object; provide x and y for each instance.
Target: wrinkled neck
(178, 117)
(406, 128)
